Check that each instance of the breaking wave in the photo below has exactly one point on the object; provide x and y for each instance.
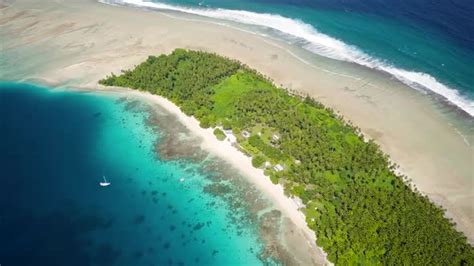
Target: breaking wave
(318, 43)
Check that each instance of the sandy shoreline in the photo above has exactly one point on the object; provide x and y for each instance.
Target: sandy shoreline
(224, 150)
(238, 160)
(75, 43)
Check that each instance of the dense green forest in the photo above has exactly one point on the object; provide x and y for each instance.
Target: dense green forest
(361, 211)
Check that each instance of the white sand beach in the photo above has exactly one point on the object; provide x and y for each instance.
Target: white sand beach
(225, 150)
(75, 43)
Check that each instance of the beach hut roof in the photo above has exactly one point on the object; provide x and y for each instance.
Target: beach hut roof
(278, 167)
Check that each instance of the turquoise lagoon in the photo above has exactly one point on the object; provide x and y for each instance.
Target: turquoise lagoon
(165, 206)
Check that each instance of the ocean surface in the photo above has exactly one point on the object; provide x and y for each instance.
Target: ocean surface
(428, 45)
(56, 147)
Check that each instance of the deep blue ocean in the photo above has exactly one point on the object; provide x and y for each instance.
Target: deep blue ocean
(426, 44)
(55, 147)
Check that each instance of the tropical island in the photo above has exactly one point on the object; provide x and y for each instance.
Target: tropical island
(361, 209)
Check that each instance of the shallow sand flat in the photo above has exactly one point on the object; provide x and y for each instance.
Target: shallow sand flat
(76, 43)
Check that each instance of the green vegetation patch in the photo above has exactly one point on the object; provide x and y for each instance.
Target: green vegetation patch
(185, 77)
(249, 148)
(231, 89)
(362, 212)
(219, 134)
(266, 149)
(258, 161)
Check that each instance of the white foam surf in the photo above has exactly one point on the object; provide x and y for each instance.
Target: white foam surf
(318, 43)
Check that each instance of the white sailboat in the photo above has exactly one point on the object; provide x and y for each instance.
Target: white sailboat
(105, 183)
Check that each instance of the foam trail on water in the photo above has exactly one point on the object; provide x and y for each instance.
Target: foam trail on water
(318, 43)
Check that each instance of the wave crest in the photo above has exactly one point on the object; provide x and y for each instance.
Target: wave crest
(318, 43)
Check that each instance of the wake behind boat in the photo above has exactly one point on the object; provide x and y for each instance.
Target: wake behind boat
(105, 183)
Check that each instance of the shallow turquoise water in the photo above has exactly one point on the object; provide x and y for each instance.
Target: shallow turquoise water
(57, 145)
